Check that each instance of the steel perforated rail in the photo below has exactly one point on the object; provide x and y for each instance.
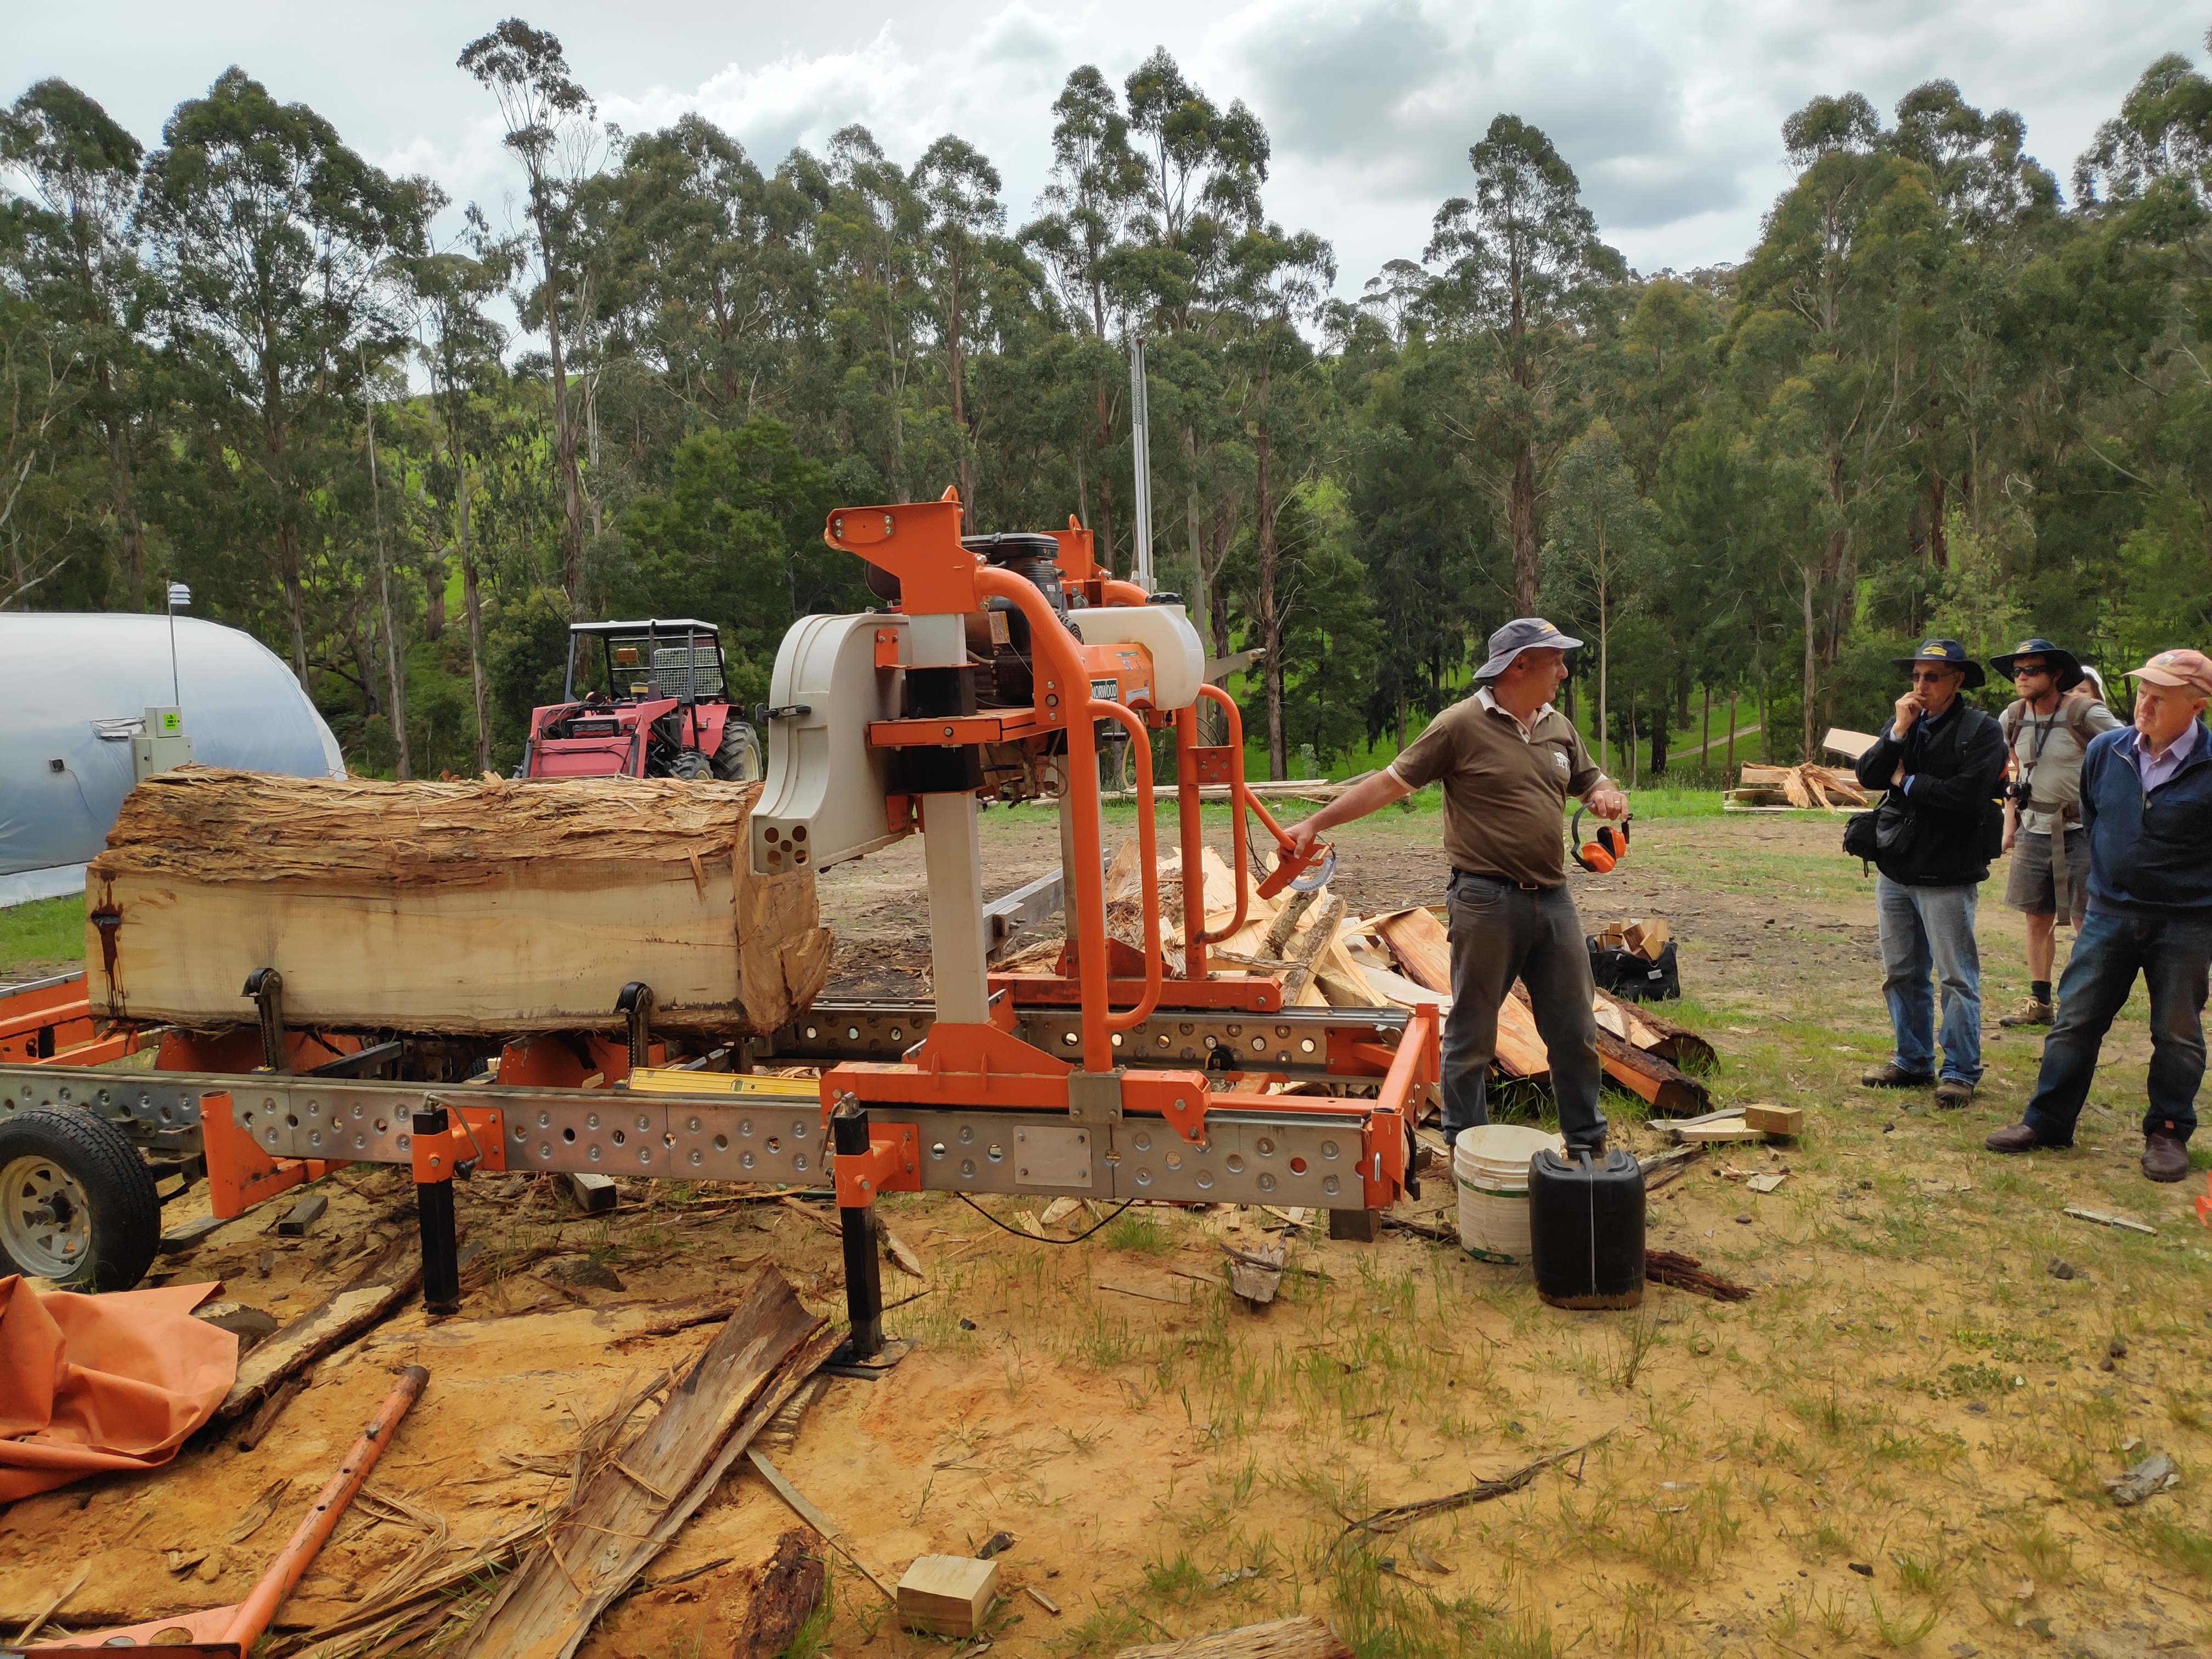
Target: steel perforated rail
(1312, 1155)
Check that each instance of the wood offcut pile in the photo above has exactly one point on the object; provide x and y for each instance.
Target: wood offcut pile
(1396, 958)
(475, 907)
(1795, 788)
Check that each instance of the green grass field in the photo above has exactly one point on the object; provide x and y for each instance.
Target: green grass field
(41, 934)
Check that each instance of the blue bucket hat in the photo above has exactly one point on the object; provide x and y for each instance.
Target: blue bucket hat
(1522, 634)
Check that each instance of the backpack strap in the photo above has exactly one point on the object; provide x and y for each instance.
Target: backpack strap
(2077, 719)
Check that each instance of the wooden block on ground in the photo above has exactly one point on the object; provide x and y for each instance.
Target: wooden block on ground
(1729, 1129)
(1775, 1119)
(1356, 1226)
(592, 1193)
(947, 1594)
(178, 1239)
(303, 1216)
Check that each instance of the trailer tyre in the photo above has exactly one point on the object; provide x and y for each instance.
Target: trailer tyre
(77, 1204)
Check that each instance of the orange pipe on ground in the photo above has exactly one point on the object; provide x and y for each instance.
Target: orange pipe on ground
(1236, 720)
(1053, 651)
(314, 1529)
(1148, 857)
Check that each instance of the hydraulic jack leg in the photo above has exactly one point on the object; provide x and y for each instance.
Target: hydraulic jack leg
(866, 1352)
(434, 1212)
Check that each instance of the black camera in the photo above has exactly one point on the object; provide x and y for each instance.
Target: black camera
(2019, 790)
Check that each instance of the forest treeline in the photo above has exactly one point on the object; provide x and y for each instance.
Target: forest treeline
(1946, 393)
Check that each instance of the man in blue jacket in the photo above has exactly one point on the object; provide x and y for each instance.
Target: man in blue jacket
(2147, 808)
(1940, 759)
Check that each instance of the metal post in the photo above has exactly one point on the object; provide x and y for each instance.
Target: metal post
(434, 1215)
(864, 1272)
(1140, 455)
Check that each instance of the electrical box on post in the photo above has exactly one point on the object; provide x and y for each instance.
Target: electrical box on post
(161, 745)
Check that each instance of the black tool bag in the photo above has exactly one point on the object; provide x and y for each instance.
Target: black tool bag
(1632, 977)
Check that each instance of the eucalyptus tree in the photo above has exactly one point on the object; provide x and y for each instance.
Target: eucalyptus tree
(81, 272)
(275, 247)
(552, 127)
(868, 236)
(958, 189)
(1275, 280)
(460, 348)
(1522, 268)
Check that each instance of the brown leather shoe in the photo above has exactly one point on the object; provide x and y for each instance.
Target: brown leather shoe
(2032, 1012)
(2018, 1138)
(1893, 1076)
(2166, 1157)
(1953, 1092)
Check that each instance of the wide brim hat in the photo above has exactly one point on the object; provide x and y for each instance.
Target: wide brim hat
(1951, 654)
(2068, 666)
(1523, 634)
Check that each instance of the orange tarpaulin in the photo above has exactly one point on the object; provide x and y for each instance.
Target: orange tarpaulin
(103, 1381)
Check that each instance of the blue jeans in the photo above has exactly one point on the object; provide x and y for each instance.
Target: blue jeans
(2109, 951)
(1926, 929)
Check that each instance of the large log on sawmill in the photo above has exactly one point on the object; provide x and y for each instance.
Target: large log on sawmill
(483, 906)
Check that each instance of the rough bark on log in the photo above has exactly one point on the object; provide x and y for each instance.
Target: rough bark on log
(782, 1596)
(490, 907)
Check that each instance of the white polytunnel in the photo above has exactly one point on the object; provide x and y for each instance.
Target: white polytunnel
(76, 686)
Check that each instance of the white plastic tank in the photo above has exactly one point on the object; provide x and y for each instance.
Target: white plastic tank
(1489, 1168)
(75, 686)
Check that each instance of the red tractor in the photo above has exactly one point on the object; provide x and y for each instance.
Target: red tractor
(652, 704)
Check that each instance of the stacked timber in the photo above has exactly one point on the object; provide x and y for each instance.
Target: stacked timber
(486, 907)
(1795, 788)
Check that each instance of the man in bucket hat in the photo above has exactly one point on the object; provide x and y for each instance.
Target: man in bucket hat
(1940, 760)
(1508, 760)
(2047, 730)
(2146, 811)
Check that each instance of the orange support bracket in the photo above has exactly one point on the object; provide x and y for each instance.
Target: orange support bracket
(239, 1174)
(891, 1164)
(473, 1140)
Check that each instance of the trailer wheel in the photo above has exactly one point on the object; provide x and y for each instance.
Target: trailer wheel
(77, 1204)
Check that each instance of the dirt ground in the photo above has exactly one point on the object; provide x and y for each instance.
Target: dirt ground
(1898, 1443)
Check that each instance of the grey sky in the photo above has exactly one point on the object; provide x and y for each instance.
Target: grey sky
(1669, 113)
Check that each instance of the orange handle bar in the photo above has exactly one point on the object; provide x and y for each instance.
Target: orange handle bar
(1235, 718)
(1148, 859)
(1058, 673)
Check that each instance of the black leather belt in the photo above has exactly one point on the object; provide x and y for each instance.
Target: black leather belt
(1459, 874)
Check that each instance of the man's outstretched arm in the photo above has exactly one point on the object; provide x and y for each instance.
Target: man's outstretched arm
(1378, 790)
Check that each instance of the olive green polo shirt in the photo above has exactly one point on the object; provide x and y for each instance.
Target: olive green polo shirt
(1505, 787)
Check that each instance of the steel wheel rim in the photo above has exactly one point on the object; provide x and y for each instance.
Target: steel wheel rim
(46, 1220)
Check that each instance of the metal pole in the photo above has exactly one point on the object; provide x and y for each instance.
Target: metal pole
(1141, 448)
(434, 1217)
(864, 1283)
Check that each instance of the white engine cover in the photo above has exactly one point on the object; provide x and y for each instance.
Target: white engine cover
(1178, 658)
(823, 802)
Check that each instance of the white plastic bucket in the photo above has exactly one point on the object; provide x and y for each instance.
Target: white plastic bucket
(1490, 1167)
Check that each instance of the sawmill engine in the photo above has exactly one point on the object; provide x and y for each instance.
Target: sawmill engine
(829, 779)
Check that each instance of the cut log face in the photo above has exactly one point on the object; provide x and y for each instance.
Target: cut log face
(471, 907)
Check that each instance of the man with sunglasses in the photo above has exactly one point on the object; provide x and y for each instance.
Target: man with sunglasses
(1941, 761)
(2047, 730)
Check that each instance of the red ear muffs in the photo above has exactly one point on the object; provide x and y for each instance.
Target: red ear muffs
(1601, 855)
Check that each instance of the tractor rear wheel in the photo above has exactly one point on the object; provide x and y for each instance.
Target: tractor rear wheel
(77, 1204)
(738, 759)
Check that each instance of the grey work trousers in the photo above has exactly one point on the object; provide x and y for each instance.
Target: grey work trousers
(1500, 932)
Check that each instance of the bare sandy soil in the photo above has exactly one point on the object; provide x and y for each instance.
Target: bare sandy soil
(1898, 1443)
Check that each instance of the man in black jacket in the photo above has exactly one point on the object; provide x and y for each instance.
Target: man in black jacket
(1940, 760)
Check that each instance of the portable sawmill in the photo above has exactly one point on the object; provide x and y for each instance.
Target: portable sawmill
(1000, 666)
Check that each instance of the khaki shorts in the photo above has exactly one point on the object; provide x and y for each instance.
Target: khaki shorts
(2028, 886)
